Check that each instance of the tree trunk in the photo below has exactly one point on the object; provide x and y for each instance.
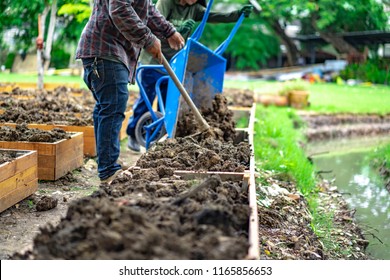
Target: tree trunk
(292, 50)
(50, 32)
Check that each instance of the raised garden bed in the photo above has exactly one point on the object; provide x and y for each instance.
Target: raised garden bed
(18, 176)
(89, 147)
(55, 159)
(59, 108)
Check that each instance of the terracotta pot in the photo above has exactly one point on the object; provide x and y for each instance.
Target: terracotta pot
(298, 99)
(272, 99)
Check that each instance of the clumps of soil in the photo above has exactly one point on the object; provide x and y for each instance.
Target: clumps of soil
(149, 213)
(189, 154)
(23, 133)
(138, 219)
(325, 126)
(219, 117)
(36, 115)
(7, 156)
(63, 105)
(239, 97)
(46, 203)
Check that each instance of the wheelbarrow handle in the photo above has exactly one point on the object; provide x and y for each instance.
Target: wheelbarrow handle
(185, 94)
(198, 32)
(222, 47)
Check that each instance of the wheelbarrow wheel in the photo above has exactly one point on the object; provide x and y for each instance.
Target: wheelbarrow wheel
(140, 131)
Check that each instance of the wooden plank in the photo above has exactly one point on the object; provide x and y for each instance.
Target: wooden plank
(18, 195)
(64, 167)
(60, 160)
(89, 146)
(18, 180)
(8, 169)
(253, 251)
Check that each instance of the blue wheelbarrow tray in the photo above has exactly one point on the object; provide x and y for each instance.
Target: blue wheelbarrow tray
(202, 72)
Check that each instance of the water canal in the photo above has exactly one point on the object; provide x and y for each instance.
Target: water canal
(347, 162)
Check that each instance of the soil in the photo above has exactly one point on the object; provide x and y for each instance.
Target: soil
(63, 105)
(7, 156)
(23, 133)
(325, 126)
(239, 97)
(139, 216)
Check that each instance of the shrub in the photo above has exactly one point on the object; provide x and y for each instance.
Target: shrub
(59, 58)
(375, 71)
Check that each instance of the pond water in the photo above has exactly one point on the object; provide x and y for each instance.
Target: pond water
(361, 185)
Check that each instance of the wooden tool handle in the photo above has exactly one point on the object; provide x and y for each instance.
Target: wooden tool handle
(185, 95)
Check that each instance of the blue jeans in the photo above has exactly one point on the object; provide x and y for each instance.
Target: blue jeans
(149, 78)
(108, 82)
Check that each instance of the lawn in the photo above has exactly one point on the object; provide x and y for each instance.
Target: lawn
(331, 98)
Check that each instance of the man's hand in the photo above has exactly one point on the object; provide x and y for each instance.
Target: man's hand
(186, 27)
(155, 50)
(176, 41)
(246, 10)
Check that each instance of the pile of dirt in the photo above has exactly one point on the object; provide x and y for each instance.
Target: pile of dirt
(189, 153)
(23, 133)
(326, 126)
(138, 219)
(218, 116)
(63, 105)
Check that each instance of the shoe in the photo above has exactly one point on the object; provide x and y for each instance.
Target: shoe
(124, 165)
(111, 178)
(132, 144)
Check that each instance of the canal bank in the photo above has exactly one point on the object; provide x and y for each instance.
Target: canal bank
(342, 155)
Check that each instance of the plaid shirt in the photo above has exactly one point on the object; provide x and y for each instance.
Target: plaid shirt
(120, 29)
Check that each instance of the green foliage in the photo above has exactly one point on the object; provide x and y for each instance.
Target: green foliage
(276, 147)
(59, 57)
(374, 71)
(9, 60)
(250, 47)
(81, 11)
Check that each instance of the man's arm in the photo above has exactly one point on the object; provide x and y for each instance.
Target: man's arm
(129, 24)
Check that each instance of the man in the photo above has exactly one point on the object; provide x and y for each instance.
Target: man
(109, 47)
(182, 14)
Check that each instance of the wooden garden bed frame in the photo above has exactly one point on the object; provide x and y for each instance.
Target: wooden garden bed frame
(18, 178)
(54, 159)
(88, 132)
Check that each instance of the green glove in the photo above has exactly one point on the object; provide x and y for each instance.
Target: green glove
(186, 27)
(246, 10)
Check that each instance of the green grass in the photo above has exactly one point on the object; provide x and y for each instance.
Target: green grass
(277, 149)
(381, 155)
(330, 98)
(32, 78)
(276, 146)
(15, 78)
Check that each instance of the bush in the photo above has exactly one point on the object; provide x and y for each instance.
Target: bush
(375, 71)
(59, 58)
(9, 61)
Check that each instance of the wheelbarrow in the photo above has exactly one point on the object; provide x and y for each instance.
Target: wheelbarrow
(200, 70)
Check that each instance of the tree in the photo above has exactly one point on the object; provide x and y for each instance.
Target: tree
(332, 18)
(279, 13)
